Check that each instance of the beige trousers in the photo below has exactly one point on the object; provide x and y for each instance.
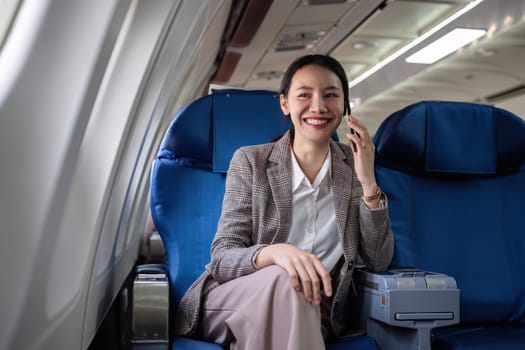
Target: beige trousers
(261, 311)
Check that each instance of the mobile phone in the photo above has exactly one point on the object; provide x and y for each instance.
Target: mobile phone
(352, 131)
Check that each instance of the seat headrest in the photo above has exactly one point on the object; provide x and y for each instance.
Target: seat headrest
(451, 137)
(207, 131)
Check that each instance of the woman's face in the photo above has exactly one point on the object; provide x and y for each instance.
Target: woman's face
(315, 103)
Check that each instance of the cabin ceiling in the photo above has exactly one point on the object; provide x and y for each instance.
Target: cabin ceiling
(362, 33)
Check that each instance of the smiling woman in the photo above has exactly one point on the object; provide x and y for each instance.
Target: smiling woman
(314, 238)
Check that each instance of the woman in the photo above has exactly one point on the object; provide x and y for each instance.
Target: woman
(296, 213)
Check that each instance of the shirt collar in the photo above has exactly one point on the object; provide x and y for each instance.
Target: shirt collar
(298, 176)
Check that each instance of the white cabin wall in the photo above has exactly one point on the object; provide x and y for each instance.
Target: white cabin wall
(86, 90)
(49, 78)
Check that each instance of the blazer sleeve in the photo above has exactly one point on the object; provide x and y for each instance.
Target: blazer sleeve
(235, 242)
(377, 242)
(368, 229)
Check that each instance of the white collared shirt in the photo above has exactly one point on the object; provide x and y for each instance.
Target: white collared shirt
(314, 228)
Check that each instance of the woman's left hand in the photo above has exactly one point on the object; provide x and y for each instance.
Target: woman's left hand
(364, 152)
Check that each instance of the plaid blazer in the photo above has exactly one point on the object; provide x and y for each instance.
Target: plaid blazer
(256, 212)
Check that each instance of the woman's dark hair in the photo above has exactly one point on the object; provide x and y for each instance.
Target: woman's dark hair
(319, 60)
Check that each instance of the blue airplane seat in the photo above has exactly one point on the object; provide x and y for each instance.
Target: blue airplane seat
(454, 174)
(187, 184)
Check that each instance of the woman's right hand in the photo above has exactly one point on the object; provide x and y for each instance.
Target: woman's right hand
(306, 271)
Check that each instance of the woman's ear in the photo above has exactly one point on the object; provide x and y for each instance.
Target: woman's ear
(284, 104)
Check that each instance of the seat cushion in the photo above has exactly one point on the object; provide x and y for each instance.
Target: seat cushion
(192, 344)
(354, 343)
(479, 338)
(470, 229)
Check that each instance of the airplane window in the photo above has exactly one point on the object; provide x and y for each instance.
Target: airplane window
(8, 10)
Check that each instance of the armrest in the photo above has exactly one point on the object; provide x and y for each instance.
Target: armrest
(401, 306)
(150, 308)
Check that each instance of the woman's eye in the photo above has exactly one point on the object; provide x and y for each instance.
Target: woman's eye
(332, 95)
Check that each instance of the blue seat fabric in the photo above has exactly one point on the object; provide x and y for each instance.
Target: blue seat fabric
(187, 183)
(346, 343)
(510, 337)
(454, 174)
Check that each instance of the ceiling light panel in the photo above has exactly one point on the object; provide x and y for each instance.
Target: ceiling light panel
(445, 45)
(323, 2)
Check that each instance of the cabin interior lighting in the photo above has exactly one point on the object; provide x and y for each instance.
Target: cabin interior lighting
(445, 45)
(323, 2)
(414, 42)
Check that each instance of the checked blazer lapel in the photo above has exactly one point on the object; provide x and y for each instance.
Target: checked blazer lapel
(341, 189)
(280, 180)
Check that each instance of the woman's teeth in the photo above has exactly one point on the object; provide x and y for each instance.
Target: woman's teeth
(316, 121)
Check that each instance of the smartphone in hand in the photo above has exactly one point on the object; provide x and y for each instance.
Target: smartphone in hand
(352, 131)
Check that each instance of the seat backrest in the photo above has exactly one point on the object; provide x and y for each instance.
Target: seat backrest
(454, 174)
(187, 182)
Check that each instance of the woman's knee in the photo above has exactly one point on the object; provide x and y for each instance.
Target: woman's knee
(280, 282)
(277, 277)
